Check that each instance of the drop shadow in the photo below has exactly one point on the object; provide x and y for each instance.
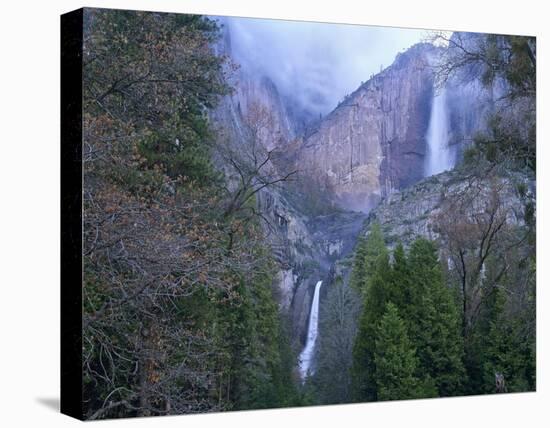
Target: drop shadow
(51, 403)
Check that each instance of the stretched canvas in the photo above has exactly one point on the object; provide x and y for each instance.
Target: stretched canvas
(260, 213)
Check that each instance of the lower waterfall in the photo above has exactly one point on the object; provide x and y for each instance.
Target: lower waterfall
(306, 356)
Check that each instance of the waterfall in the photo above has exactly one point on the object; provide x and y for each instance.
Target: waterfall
(440, 157)
(307, 354)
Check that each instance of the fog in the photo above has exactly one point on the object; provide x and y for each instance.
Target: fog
(315, 64)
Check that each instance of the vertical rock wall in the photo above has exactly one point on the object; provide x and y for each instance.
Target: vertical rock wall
(374, 141)
(371, 145)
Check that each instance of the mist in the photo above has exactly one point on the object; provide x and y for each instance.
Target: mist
(315, 65)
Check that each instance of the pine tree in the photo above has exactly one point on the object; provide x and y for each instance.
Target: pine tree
(394, 359)
(506, 351)
(364, 386)
(400, 288)
(433, 320)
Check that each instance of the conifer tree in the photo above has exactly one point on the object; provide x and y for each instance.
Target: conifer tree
(434, 324)
(394, 359)
(506, 351)
(364, 387)
(400, 288)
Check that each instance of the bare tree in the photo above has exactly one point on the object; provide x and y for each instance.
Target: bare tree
(251, 168)
(479, 226)
(252, 163)
(489, 57)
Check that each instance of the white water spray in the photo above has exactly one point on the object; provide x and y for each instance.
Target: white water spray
(440, 157)
(306, 356)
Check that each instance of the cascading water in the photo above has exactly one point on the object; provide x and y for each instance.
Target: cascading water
(440, 158)
(306, 356)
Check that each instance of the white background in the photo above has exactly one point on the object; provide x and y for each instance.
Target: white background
(29, 210)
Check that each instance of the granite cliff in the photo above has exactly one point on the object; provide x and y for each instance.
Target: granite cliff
(374, 142)
(305, 239)
(369, 148)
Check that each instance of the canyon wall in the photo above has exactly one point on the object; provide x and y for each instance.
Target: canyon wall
(374, 142)
(371, 146)
(256, 121)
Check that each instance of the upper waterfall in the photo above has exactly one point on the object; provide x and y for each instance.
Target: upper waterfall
(306, 356)
(439, 157)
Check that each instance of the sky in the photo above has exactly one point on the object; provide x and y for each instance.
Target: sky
(316, 64)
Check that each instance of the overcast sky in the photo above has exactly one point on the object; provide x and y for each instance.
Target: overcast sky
(316, 63)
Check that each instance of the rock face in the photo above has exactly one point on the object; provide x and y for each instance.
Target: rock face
(413, 212)
(366, 150)
(257, 98)
(373, 143)
(306, 248)
(303, 242)
(254, 98)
